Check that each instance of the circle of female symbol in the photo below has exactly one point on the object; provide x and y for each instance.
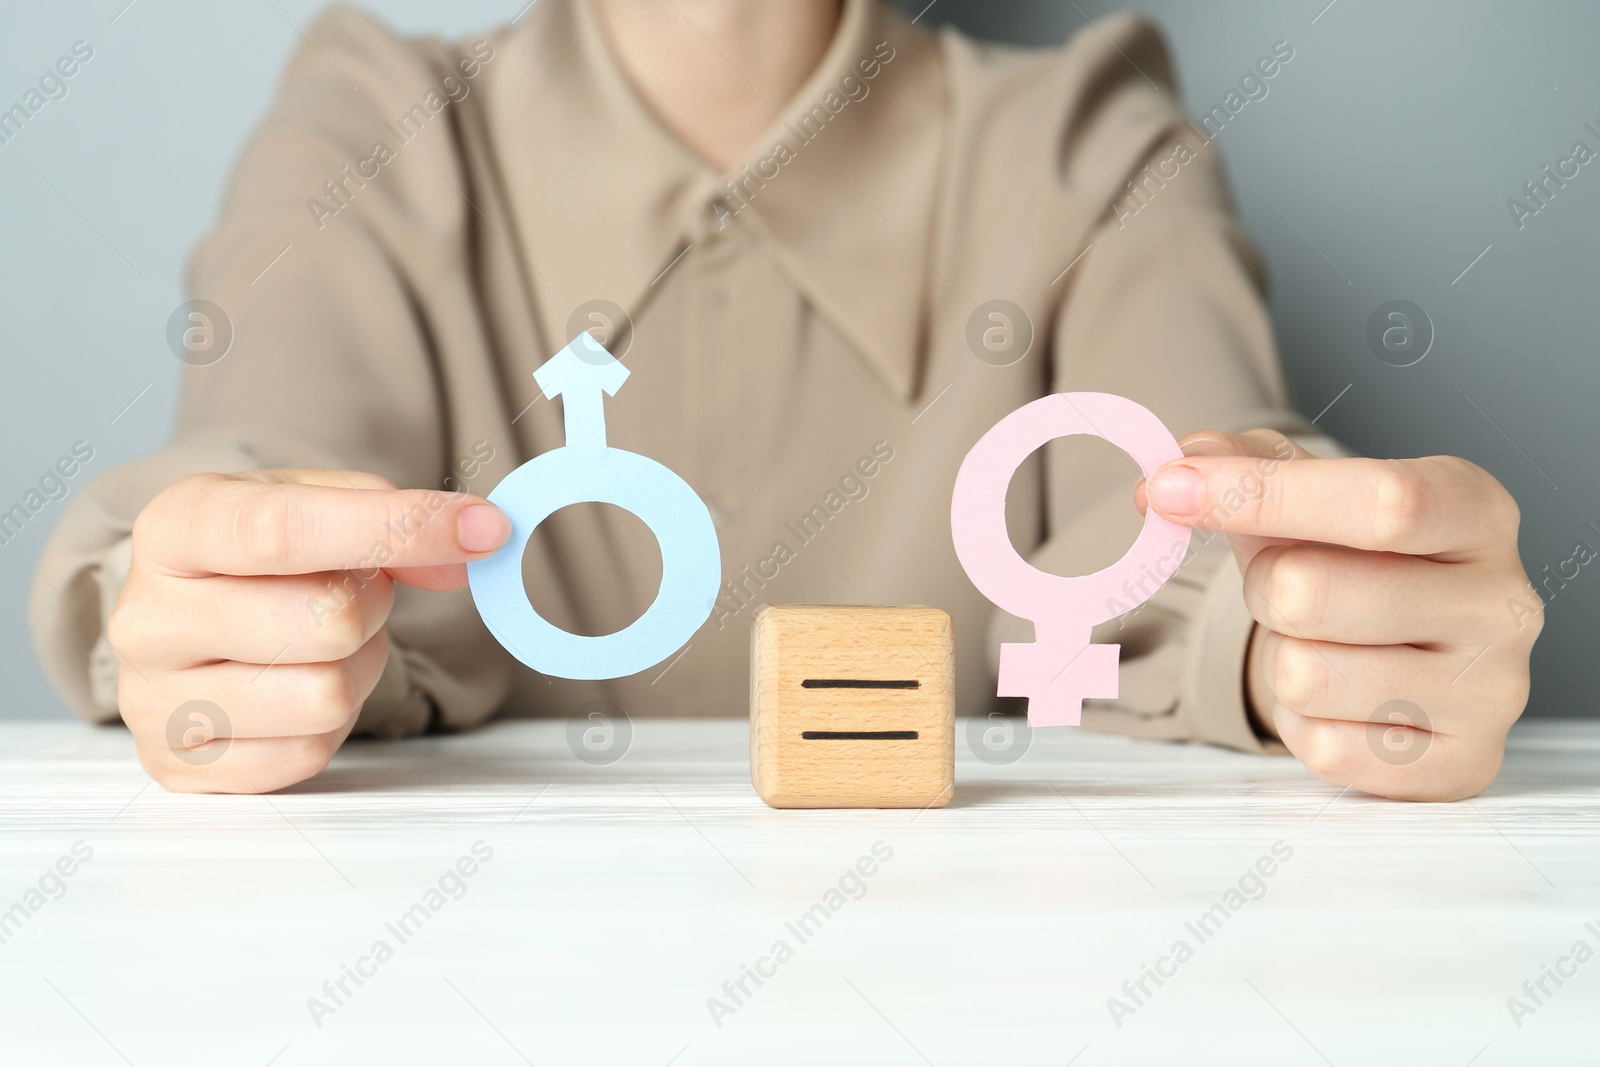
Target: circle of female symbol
(1060, 668)
(586, 470)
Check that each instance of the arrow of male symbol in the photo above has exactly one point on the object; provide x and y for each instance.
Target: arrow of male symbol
(582, 374)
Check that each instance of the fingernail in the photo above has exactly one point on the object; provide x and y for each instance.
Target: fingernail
(1176, 490)
(482, 527)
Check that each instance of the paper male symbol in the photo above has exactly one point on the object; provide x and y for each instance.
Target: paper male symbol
(1060, 668)
(587, 469)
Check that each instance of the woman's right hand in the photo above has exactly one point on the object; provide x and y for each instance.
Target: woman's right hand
(251, 627)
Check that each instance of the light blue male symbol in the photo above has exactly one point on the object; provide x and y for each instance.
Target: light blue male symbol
(587, 469)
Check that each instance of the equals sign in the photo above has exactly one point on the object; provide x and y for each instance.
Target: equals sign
(859, 683)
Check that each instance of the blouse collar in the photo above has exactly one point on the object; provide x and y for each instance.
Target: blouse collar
(840, 190)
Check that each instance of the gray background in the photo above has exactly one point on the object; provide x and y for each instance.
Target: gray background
(1381, 162)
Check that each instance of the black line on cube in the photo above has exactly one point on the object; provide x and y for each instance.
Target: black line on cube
(858, 735)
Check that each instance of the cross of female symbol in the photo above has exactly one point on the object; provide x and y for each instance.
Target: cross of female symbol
(1061, 667)
(587, 469)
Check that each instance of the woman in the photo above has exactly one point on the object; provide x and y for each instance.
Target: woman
(834, 249)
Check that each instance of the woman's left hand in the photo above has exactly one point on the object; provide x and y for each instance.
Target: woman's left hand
(1394, 619)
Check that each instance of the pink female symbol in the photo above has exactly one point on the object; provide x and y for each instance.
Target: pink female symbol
(1060, 668)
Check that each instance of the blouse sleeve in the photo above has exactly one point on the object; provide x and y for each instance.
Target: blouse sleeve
(336, 250)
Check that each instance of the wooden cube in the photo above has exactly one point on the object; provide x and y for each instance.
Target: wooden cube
(852, 707)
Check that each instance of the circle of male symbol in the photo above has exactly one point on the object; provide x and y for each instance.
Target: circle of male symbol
(585, 470)
(1060, 667)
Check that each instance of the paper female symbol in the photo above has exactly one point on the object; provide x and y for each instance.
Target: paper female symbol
(586, 470)
(1060, 668)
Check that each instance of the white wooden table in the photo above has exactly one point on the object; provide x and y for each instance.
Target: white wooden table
(618, 899)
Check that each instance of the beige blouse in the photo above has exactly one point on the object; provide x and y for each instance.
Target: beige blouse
(814, 337)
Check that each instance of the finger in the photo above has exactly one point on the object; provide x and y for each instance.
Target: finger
(244, 765)
(299, 618)
(1268, 450)
(1333, 593)
(1259, 443)
(442, 579)
(243, 700)
(1267, 447)
(1391, 759)
(1442, 506)
(331, 477)
(208, 524)
(1440, 691)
